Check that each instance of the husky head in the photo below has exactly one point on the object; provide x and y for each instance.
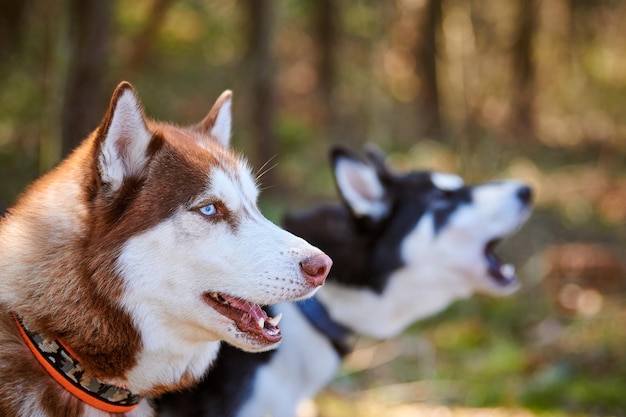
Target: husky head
(208, 258)
(145, 248)
(407, 245)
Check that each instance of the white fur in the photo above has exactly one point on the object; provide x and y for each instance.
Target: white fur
(361, 187)
(308, 366)
(222, 128)
(169, 268)
(166, 269)
(448, 182)
(439, 268)
(123, 152)
(31, 408)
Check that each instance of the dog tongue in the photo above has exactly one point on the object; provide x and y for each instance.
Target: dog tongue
(253, 310)
(254, 320)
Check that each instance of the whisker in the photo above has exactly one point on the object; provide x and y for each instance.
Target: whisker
(265, 169)
(267, 187)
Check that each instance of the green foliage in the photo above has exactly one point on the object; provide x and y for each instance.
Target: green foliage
(481, 352)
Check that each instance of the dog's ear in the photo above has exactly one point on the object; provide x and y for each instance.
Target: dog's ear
(124, 138)
(376, 157)
(219, 120)
(359, 184)
(374, 154)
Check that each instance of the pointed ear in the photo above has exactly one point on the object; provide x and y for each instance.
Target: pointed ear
(359, 185)
(376, 157)
(124, 138)
(219, 120)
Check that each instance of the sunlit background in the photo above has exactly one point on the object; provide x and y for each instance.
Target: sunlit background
(527, 89)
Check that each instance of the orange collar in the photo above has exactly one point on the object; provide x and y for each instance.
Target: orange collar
(64, 368)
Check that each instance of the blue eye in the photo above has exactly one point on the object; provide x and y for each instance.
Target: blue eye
(208, 210)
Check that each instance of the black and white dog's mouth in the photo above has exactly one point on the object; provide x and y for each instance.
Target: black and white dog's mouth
(503, 274)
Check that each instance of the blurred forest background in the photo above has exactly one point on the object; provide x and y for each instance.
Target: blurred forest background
(528, 89)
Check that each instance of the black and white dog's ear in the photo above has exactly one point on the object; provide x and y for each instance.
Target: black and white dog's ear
(218, 123)
(124, 139)
(376, 157)
(359, 184)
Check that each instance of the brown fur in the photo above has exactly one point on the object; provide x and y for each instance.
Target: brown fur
(58, 247)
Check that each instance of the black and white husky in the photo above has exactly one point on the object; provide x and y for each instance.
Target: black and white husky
(405, 246)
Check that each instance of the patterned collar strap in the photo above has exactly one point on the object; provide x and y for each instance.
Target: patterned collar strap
(318, 316)
(62, 365)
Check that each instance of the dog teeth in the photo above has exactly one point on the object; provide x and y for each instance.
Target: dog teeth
(275, 320)
(507, 270)
(261, 322)
(218, 298)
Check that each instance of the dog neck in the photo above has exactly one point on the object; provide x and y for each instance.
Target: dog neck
(398, 306)
(318, 316)
(63, 367)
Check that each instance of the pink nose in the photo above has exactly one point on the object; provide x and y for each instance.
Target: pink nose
(315, 269)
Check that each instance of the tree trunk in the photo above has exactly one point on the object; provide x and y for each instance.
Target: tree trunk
(145, 39)
(522, 116)
(326, 34)
(426, 57)
(85, 98)
(12, 15)
(260, 74)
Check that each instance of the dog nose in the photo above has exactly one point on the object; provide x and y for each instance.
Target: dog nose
(315, 269)
(525, 194)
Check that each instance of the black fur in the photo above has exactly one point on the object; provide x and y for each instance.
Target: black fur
(364, 250)
(222, 391)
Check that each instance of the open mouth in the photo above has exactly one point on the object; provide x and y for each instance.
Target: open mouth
(248, 317)
(503, 274)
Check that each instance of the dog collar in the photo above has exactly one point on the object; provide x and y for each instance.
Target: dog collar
(64, 368)
(318, 316)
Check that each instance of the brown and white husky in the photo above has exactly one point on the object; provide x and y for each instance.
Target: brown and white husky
(122, 269)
